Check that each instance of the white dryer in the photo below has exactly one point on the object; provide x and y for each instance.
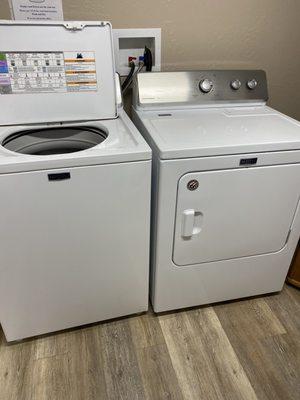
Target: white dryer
(226, 186)
(74, 182)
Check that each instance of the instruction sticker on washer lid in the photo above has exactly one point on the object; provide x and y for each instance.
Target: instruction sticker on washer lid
(5, 85)
(80, 71)
(34, 72)
(46, 72)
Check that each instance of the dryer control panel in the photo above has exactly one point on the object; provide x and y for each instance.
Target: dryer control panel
(207, 87)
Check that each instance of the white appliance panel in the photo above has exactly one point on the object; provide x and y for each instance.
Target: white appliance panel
(234, 213)
(235, 235)
(73, 251)
(207, 132)
(66, 37)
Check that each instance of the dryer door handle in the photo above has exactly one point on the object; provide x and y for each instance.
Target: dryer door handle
(191, 223)
(188, 223)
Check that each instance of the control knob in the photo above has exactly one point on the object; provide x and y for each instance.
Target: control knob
(251, 84)
(235, 84)
(205, 85)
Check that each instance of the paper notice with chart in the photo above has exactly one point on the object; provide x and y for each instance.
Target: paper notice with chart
(37, 10)
(46, 72)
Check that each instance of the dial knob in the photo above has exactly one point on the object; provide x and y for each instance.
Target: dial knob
(235, 84)
(252, 83)
(205, 85)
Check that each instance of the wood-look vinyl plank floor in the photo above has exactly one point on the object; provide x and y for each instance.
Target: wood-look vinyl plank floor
(240, 350)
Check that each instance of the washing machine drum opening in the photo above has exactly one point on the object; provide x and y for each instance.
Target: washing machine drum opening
(42, 142)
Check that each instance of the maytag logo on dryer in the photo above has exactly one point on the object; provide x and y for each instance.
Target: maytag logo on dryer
(248, 161)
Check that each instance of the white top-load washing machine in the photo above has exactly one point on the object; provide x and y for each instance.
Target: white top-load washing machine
(226, 186)
(74, 182)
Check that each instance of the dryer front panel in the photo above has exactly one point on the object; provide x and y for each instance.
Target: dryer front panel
(228, 214)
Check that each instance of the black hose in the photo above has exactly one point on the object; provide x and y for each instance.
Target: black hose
(148, 59)
(128, 78)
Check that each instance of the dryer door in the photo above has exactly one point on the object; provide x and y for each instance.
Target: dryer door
(234, 213)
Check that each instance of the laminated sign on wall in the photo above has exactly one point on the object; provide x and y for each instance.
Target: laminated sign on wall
(37, 9)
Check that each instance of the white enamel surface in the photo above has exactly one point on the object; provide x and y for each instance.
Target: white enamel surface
(173, 286)
(124, 143)
(73, 251)
(219, 131)
(76, 251)
(191, 143)
(51, 107)
(237, 213)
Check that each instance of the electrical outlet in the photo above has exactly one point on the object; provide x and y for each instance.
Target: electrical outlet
(131, 43)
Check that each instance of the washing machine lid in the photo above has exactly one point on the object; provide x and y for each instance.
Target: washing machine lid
(219, 131)
(56, 71)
